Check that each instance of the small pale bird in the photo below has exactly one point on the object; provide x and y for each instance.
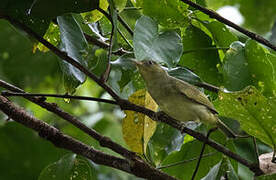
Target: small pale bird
(179, 99)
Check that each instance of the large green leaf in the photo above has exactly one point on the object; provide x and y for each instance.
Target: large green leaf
(75, 45)
(261, 67)
(255, 112)
(169, 13)
(202, 62)
(222, 36)
(149, 44)
(236, 72)
(69, 166)
(25, 152)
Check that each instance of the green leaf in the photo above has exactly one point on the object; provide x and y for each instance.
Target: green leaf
(220, 170)
(25, 151)
(75, 45)
(164, 141)
(185, 75)
(261, 68)
(120, 4)
(69, 166)
(222, 36)
(236, 72)
(202, 62)
(255, 112)
(266, 177)
(169, 13)
(99, 62)
(148, 44)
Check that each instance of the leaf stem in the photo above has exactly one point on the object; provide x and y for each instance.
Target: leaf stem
(6, 94)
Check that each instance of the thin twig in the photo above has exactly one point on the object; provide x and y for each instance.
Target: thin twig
(205, 49)
(132, 8)
(125, 39)
(216, 16)
(6, 93)
(186, 161)
(201, 152)
(105, 75)
(256, 149)
(122, 21)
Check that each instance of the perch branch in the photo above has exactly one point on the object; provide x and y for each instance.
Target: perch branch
(136, 166)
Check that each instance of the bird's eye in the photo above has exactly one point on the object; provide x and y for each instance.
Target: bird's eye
(150, 62)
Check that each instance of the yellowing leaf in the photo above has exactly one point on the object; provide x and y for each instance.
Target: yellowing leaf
(138, 128)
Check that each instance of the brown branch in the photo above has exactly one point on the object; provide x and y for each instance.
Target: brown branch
(136, 166)
(103, 140)
(216, 16)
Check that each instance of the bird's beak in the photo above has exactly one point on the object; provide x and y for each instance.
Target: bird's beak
(137, 63)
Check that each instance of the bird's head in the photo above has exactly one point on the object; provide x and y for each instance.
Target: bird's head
(149, 68)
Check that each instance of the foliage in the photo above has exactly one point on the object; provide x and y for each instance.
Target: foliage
(190, 45)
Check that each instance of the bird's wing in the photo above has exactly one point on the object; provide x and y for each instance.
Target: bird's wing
(194, 94)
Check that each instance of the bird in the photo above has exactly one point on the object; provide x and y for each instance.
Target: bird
(179, 99)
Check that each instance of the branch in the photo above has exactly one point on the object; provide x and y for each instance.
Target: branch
(216, 16)
(137, 166)
(103, 140)
(6, 94)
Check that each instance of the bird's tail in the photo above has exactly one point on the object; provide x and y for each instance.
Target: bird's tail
(225, 129)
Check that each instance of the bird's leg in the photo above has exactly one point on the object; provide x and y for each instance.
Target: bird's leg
(202, 151)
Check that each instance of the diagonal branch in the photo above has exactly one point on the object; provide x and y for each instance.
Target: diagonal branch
(103, 140)
(216, 16)
(136, 166)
